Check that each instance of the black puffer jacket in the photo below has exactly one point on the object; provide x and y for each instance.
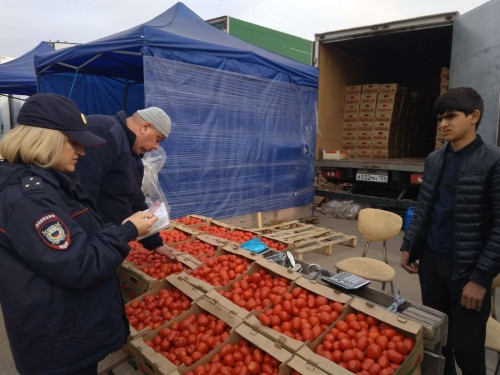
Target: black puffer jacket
(476, 218)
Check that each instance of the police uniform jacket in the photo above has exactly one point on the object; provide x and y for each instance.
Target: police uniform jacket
(476, 216)
(59, 292)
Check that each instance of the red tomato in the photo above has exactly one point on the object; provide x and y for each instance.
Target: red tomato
(253, 368)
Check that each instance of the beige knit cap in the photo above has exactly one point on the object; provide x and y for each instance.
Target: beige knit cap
(158, 118)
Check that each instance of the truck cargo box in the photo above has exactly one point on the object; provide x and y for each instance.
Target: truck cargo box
(377, 85)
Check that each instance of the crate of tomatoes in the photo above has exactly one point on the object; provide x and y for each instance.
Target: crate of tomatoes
(177, 233)
(299, 315)
(218, 271)
(260, 285)
(244, 352)
(159, 305)
(192, 221)
(184, 340)
(368, 340)
(201, 247)
(136, 279)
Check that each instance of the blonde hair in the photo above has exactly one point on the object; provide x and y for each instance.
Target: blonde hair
(32, 145)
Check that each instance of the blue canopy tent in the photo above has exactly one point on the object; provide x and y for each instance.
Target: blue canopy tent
(244, 124)
(18, 77)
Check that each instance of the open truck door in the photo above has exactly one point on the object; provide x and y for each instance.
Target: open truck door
(475, 58)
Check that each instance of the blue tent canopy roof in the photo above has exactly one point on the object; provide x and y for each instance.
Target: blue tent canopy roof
(18, 77)
(177, 30)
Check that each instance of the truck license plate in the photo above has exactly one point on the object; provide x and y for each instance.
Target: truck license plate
(372, 176)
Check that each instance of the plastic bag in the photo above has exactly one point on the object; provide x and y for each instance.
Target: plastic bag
(342, 209)
(155, 199)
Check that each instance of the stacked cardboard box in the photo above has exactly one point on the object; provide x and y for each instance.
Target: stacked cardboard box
(445, 84)
(375, 130)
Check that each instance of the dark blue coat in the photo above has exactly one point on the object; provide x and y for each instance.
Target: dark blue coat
(59, 292)
(111, 174)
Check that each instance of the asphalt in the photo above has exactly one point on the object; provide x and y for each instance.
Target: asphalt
(408, 284)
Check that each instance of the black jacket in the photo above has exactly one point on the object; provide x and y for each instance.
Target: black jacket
(476, 218)
(59, 292)
(112, 174)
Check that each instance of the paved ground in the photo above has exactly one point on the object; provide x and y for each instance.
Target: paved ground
(407, 283)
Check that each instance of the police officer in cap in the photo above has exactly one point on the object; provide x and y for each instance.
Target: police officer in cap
(59, 292)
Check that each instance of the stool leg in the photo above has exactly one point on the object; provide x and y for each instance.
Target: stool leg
(392, 287)
(366, 249)
(385, 252)
(493, 307)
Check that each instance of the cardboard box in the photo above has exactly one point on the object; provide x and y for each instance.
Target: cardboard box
(312, 287)
(369, 97)
(370, 88)
(153, 363)
(191, 220)
(134, 282)
(310, 367)
(171, 283)
(363, 154)
(255, 339)
(386, 88)
(364, 136)
(350, 126)
(227, 249)
(367, 108)
(366, 126)
(349, 135)
(353, 89)
(351, 98)
(351, 108)
(349, 145)
(367, 116)
(351, 117)
(383, 117)
(406, 327)
(385, 108)
(209, 243)
(335, 155)
(272, 269)
(382, 125)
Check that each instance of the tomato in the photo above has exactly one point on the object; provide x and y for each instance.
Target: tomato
(348, 355)
(373, 351)
(402, 348)
(382, 341)
(354, 365)
(253, 368)
(374, 369)
(410, 343)
(342, 326)
(394, 356)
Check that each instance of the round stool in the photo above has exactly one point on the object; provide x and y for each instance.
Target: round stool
(368, 268)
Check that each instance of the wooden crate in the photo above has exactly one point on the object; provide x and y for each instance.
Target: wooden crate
(307, 237)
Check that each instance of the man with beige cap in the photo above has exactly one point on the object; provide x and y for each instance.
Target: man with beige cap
(111, 175)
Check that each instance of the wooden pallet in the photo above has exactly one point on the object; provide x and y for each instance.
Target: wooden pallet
(306, 237)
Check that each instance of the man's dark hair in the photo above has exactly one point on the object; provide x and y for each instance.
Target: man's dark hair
(463, 99)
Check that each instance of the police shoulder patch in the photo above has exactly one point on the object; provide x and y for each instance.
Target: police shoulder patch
(53, 232)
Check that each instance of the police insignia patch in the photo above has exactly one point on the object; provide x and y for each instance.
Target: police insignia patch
(52, 231)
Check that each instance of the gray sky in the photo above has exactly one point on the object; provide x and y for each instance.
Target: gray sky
(25, 23)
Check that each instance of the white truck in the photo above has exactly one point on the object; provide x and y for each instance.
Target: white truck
(409, 55)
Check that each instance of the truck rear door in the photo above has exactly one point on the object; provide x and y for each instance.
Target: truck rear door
(475, 58)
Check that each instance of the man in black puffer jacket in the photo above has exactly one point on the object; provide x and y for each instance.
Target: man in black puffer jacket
(455, 231)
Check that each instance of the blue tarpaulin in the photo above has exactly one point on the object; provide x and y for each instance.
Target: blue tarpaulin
(243, 118)
(18, 77)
